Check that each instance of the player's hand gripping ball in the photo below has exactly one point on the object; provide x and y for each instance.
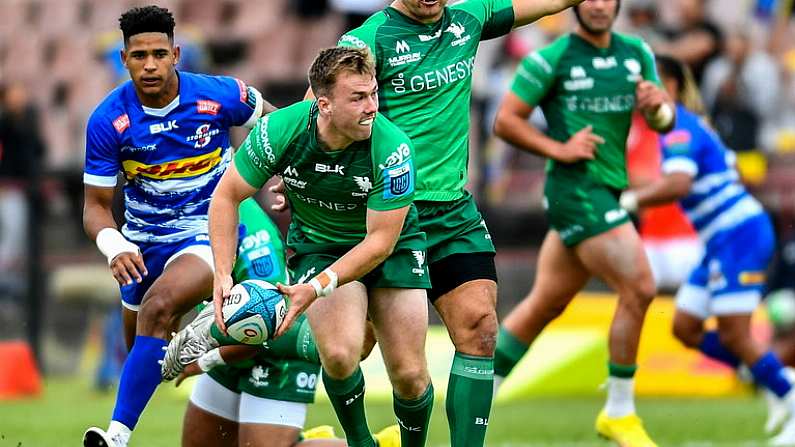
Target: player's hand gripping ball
(253, 311)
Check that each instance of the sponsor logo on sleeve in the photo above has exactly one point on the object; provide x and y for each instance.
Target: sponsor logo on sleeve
(352, 40)
(208, 107)
(121, 123)
(241, 86)
(398, 180)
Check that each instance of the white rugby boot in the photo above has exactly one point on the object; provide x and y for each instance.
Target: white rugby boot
(189, 344)
(97, 437)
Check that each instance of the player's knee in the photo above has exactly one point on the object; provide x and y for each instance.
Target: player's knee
(733, 337)
(640, 296)
(339, 361)
(478, 336)
(409, 380)
(158, 311)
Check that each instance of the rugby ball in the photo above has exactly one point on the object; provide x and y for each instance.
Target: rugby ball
(253, 311)
(781, 309)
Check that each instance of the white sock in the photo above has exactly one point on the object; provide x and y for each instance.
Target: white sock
(620, 397)
(117, 428)
(497, 382)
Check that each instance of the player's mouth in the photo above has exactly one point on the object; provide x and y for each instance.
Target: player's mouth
(367, 121)
(150, 82)
(429, 3)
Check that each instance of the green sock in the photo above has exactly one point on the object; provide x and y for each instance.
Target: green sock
(414, 417)
(469, 394)
(347, 398)
(297, 343)
(508, 353)
(223, 340)
(621, 371)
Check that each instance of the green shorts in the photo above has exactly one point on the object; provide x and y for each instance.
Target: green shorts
(278, 379)
(581, 208)
(406, 268)
(453, 228)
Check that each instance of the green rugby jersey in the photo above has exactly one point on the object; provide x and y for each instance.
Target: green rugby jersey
(577, 84)
(260, 250)
(330, 191)
(425, 77)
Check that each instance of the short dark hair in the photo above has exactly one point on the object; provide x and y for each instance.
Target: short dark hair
(331, 62)
(147, 19)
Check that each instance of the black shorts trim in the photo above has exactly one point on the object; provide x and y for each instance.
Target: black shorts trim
(456, 269)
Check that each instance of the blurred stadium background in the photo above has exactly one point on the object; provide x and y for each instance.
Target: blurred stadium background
(60, 330)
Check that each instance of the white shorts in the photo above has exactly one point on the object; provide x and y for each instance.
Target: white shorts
(699, 302)
(244, 408)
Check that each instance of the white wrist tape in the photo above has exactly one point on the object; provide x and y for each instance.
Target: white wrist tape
(324, 283)
(629, 201)
(112, 243)
(210, 360)
(662, 117)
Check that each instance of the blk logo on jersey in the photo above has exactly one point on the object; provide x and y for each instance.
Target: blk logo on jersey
(328, 169)
(203, 136)
(163, 127)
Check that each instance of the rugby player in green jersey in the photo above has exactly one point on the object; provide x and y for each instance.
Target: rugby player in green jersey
(349, 178)
(588, 84)
(425, 53)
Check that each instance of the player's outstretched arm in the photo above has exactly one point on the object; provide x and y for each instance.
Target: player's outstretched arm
(223, 355)
(669, 188)
(224, 219)
(511, 124)
(528, 11)
(124, 257)
(383, 231)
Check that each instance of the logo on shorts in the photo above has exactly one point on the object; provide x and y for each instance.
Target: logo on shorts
(259, 376)
(419, 256)
(306, 382)
(486, 236)
(615, 215)
(717, 280)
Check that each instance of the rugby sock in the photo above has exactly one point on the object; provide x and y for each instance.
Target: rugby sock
(139, 379)
(347, 398)
(769, 371)
(508, 353)
(414, 417)
(714, 349)
(620, 390)
(298, 342)
(469, 394)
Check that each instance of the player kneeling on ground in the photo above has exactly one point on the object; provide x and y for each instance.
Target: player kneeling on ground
(738, 236)
(349, 177)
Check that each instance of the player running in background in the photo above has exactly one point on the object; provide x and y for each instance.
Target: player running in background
(739, 239)
(425, 53)
(254, 396)
(349, 177)
(168, 132)
(588, 84)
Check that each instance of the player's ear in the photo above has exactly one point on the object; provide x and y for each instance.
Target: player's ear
(177, 52)
(123, 56)
(324, 105)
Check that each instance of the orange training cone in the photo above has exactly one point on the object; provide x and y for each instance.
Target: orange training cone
(19, 376)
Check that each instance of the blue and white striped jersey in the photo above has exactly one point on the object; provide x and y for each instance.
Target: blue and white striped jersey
(717, 200)
(172, 157)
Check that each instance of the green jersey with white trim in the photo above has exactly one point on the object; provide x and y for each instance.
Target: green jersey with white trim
(330, 191)
(425, 77)
(577, 84)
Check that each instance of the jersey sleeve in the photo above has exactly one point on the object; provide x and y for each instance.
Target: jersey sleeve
(241, 104)
(648, 63)
(495, 16)
(534, 77)
(102, 150)
(256, 158)
(394, 176)
(679, 152)
(364, 36)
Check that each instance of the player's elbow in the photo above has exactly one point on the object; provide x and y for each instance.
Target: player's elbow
(501, 124)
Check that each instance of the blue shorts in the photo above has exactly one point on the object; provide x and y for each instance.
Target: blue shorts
(730, 278)
(156, 258)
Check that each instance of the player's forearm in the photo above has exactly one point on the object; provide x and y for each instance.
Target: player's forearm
(523, 135)
(364, 257)
(660, 192)
(267, 107)
(232, 354)
(224, 219)
(528, 11)
(97, 216)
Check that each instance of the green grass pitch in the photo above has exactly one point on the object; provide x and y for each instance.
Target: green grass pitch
(68, 406)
